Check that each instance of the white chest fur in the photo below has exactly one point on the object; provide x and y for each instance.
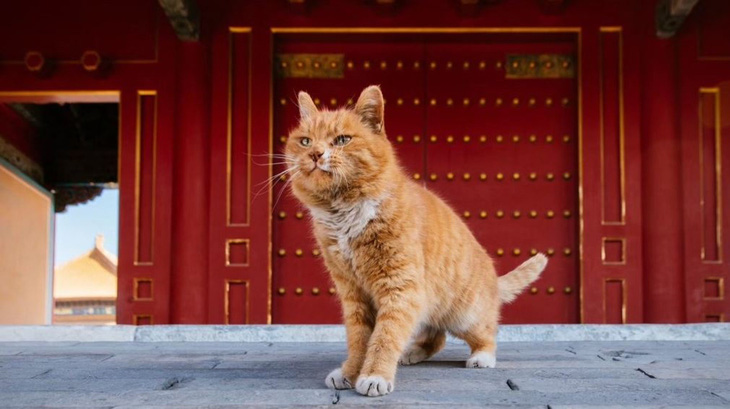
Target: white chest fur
(347, 223)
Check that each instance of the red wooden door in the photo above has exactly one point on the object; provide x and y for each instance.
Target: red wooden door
(502, 150)
(705, 97)
(487, 120)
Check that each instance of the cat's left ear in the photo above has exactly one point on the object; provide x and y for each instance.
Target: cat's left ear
(371, 108)
(307, 108)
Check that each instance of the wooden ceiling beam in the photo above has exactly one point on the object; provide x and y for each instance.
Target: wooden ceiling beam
(184, 17)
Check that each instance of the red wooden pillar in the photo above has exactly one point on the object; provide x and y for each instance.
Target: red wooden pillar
(661, 181)
(190, 204)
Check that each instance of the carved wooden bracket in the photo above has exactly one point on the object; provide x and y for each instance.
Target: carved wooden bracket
(670, 14)
(184, 17)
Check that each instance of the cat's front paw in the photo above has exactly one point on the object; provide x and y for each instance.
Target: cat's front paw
(482, 359)
(336, 380)
(373, 385)
(413, 355)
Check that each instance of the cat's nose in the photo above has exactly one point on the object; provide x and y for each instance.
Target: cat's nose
(316, 155)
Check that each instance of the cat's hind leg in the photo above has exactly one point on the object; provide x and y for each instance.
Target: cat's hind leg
(425, 344)
(482, 339)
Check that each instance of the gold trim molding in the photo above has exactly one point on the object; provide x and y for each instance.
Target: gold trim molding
(227, 299)
(624, 296)
(622, 144)
(718, 175)
(606, 240)
(424, 30)
(720, 288)
(138, 176)
(247, 242)
(232, 31)
(135, 291)
(137, 317)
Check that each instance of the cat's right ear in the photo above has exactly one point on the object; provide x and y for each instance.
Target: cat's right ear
(307, 108)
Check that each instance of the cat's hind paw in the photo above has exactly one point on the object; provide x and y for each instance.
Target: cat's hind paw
(413, 355)
(481, 359)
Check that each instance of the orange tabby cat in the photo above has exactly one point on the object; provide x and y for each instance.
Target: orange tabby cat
(406, 268)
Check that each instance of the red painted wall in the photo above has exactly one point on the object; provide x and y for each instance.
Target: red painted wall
(195, 224)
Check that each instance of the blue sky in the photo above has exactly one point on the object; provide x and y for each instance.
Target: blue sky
(77, 227)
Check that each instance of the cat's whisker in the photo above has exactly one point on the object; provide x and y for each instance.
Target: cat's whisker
(277, 176)
(283, 189)
(280, 157)
(273, 163)
(273, 180)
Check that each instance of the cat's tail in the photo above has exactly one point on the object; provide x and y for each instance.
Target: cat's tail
(511, 284)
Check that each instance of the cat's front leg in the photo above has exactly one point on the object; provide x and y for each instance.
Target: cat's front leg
(359, 321)
(398, 309)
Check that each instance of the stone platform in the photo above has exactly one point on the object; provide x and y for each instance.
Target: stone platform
(579, 372)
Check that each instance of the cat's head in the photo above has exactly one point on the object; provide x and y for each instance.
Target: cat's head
(341, 153)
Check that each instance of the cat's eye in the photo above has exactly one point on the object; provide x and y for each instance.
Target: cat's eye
(342, 140)
(305, 142)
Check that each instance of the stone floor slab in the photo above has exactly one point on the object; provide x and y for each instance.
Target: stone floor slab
(159, 375)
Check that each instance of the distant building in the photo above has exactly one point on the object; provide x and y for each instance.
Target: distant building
(85, 289)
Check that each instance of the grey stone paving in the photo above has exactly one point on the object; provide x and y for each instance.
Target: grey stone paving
(553, 375)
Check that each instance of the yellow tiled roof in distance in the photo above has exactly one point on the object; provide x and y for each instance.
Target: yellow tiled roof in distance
(90, 276)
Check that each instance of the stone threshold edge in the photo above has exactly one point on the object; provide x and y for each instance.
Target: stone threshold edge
(336, 333)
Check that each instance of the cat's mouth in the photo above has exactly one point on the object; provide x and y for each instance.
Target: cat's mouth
(317, 167)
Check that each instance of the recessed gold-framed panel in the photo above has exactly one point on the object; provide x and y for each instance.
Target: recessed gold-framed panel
(246, 252)
(604, 32)
(442, 30)
(622, 285)
(227, 299)
(139, 319)
(715, 317)
(138, 284)
(138, 153)
(715, 113)
(719, 283)
(233, 32)
(606, 254)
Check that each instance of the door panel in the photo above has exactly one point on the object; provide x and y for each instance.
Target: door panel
(503, 153)
(704, 88)
(457, 122)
